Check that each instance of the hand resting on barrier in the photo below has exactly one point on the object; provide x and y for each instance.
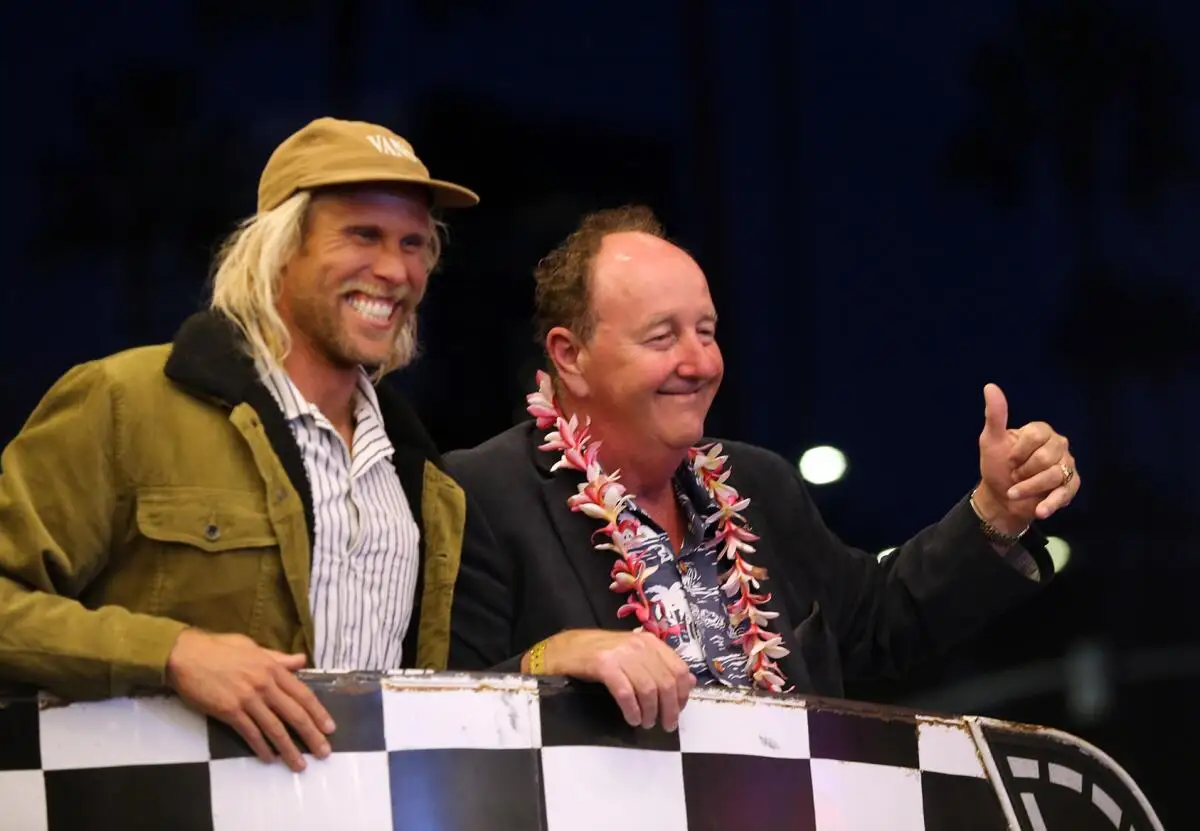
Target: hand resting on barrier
(649, 681)
(253, 690)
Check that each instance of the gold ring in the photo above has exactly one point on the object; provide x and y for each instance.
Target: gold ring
(1068, 474)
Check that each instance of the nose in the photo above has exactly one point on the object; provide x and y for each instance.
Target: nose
(393, 266)
(700, 359)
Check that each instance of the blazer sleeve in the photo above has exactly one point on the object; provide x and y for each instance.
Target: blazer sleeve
(60, 488)
(933, 592)
(482, 618)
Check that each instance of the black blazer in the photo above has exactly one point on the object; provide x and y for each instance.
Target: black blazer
(529, 570)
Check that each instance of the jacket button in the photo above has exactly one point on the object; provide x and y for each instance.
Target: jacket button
(211, 532)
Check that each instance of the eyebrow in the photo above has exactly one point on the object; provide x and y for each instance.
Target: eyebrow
(662, 319)
(376, 228)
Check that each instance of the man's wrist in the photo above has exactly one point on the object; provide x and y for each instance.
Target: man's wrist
(535, 659)
(998, 524)
(172, 662)
(539, 659)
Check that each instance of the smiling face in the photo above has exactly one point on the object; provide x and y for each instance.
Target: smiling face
(648, 373)
(349, 295)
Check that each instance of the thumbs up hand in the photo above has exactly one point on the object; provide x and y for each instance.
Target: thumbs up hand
(1026, 474)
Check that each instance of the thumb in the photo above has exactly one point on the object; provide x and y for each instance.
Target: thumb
(995, 412)
(293, 662)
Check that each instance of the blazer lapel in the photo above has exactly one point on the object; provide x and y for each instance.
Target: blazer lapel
(575, 532)
(796, 634)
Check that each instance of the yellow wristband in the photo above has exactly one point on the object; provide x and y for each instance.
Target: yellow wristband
(537, 659)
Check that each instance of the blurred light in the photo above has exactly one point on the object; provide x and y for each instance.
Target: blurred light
(1089, 690)
(822, 465)
(1060, 552)
(883, 554)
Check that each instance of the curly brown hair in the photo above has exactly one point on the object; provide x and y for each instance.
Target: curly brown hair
(562, 296)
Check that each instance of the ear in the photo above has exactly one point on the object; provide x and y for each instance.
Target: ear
(570, 358)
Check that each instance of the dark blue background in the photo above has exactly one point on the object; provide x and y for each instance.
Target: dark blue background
(800, 151)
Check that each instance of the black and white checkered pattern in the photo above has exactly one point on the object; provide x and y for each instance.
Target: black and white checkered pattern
(449, 752)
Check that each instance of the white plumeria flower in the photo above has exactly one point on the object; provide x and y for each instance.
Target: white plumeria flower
(593, 510)
(769, 680)
(758, 615)
(613, 497)
(733, 583)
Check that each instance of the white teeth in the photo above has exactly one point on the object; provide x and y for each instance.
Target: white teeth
(379, 310)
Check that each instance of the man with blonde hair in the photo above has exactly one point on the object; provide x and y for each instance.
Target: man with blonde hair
(212, 514)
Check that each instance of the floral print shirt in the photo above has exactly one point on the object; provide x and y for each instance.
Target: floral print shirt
(684, 588)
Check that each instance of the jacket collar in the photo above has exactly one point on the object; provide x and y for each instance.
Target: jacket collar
(209, 359)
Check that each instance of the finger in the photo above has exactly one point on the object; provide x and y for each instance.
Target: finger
(1058, 499)
(295, 715)
(668, 699)
(1039, 484)
(293, 662)
(276, 734)
(621, 689)
(1029, 439)
(685, 682)
(645, 687)
(1049, 455)
(995, 412)
(248, 730)
(306, 698)
(681, 684)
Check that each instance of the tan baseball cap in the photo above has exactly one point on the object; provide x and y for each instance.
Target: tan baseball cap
(330, 151)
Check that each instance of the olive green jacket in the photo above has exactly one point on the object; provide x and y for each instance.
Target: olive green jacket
(161, 488)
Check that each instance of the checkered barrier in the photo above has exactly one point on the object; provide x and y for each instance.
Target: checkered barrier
(450, 752)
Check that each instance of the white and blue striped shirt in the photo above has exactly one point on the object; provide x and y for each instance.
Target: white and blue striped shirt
(365, 547)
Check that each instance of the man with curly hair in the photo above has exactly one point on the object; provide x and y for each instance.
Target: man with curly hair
(630, 550)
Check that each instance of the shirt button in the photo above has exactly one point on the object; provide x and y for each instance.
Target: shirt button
(212, 533)
(280, 495)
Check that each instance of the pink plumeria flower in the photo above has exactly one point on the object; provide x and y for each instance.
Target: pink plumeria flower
(769, 680)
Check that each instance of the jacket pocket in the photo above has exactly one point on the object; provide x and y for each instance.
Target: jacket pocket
(210, 520)
(216, 561)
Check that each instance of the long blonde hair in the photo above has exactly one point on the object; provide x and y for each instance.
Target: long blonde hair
(249, 266)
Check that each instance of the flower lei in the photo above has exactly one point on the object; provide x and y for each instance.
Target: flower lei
(602, 496)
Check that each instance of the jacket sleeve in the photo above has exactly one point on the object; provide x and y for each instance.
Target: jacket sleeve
(933, 592)
(482, 621)
(61, 486)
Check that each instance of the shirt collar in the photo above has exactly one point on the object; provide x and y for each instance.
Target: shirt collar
(688, 484)
(366, 402)
(295, 406)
